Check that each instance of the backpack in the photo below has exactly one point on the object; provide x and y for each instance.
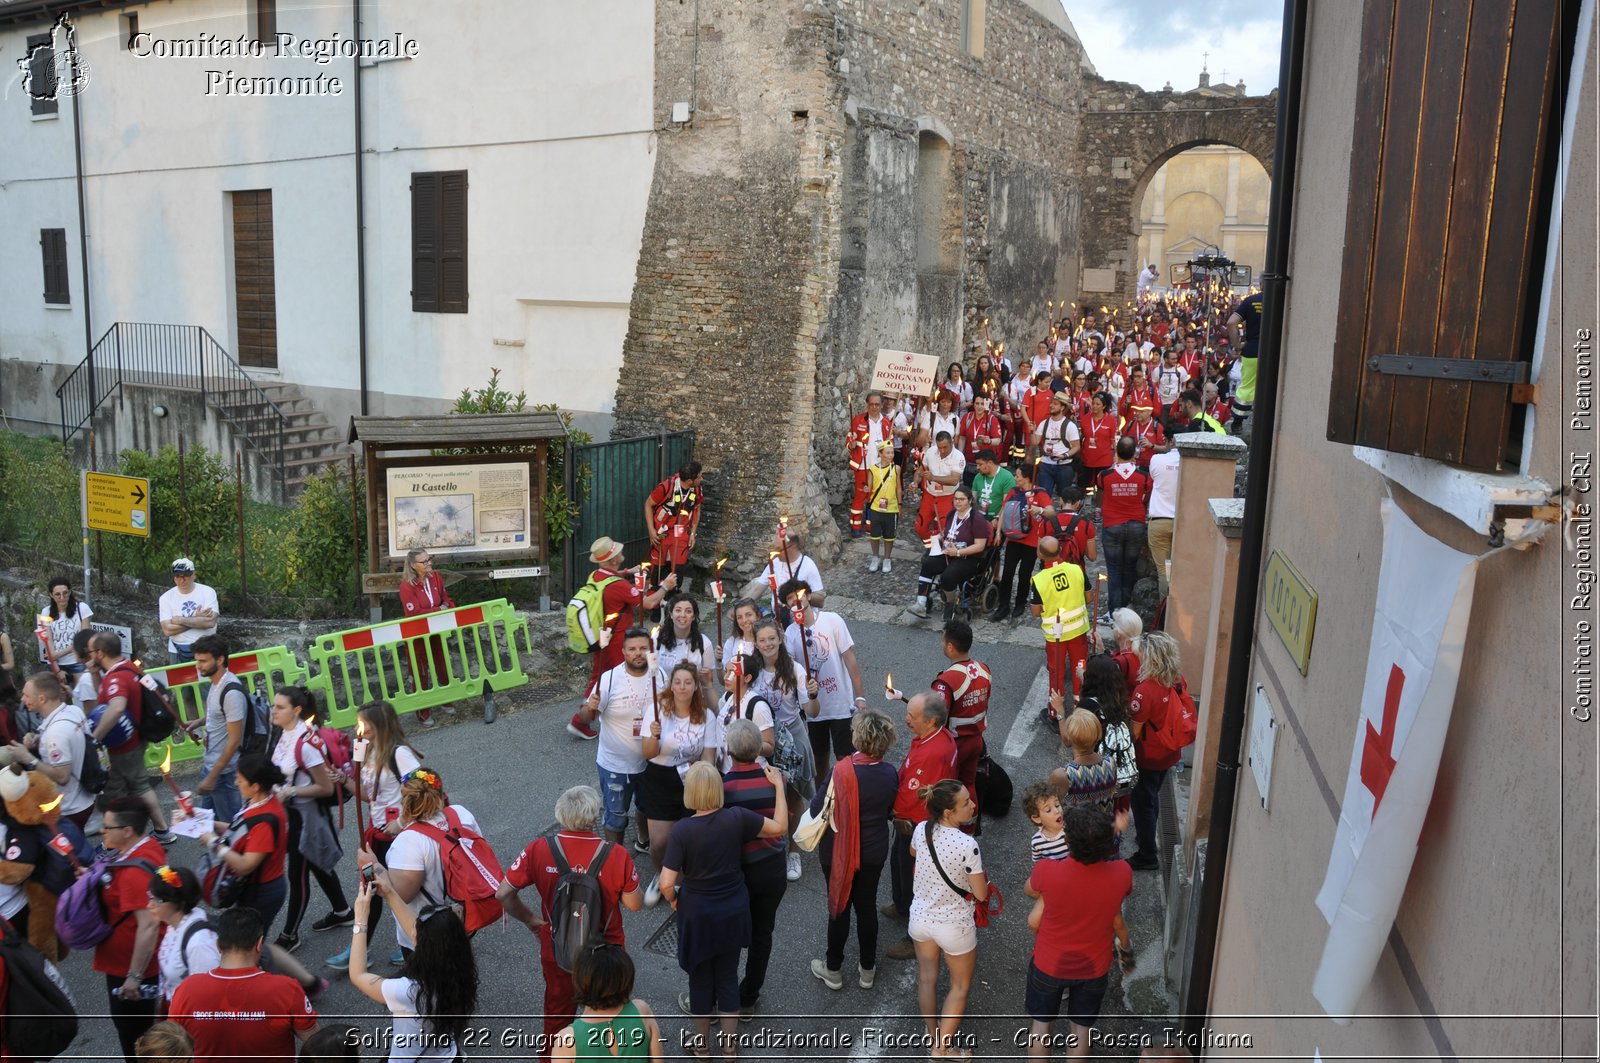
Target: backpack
(1015, 520)
(81, 911)
(471, 871)
(220, 886)
(35, 991)
(993, 786)
(1116, 745)
(183, 945)
(1068, 539)
(257, 719)
(577, 906)
(336, 749)
(1178, 726)
(157, 720)
(586, 616)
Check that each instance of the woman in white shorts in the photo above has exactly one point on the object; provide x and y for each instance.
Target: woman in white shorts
(941, 916)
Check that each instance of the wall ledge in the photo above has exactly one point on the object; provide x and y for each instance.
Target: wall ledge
(1474, 498)
(1228, 515)
(1211, 445)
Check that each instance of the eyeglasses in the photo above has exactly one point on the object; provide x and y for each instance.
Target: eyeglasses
(423, 561)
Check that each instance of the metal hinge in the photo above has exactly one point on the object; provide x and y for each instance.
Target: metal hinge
(1458, 370)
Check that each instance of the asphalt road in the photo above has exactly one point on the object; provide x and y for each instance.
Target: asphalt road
(509, 774)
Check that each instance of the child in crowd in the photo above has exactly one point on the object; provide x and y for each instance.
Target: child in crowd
(1042, 804)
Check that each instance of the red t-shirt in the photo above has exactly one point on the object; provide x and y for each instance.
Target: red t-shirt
(1124, 495)
(1038, 403)
(1149, 706)
(971, 427)
(1080, 902)
(1137, 397)
(128, 894)
(1193, 362)
(966, 686)
(927, 761)
(616, 601)
(1099, 441)
(123, 682)
(242, 1014)
(536, 866)
(1222, 412)
(1148, 436)
(262, 839)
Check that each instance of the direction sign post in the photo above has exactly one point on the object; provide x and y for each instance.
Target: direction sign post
(112, 503)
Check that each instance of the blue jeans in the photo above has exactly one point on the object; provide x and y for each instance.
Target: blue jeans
(1054, 479)
(1146, 802)
(179, 654)
(225, 799)
(616, 793)
(1123, 544)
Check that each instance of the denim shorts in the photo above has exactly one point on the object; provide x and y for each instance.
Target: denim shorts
(616, 792)
(1084, 997)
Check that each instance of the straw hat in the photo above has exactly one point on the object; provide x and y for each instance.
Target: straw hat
(604, 549)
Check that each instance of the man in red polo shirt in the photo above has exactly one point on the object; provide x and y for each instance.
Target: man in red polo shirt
(619, 597)
(237, 1012)
(1146, 433)
(119, 693)
(578, 814)
(979, 430)
(1124, 498)
(965, 687)
(932, 757)
(127, 957)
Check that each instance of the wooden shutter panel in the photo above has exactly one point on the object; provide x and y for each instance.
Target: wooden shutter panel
(1454, 106)
(453, 242)
(41, 74)
(425, 242)
(53, 253)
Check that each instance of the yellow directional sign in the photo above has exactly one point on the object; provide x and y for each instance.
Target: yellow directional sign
(115, 503)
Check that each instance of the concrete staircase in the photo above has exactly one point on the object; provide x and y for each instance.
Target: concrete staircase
(311, 443)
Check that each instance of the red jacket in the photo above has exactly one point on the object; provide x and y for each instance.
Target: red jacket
(927, 761)
(966, 686)
(425, 596)
(861, 437)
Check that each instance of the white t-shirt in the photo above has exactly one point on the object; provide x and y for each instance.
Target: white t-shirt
(411, 1039)
(61, 632)
(383, 792)
(1054, 437)
(1164, 485)
(785, 706)
(936, 422)
(941, 466)
(414, 851)
(174, 604)
(827, 639)
(1043, 364)
(803, 569)
(296, 760)
(1169, 381)
(753, 707)
(682, 650)
(86, 692)
(623, 701)
(202, 954)
(682, 740)
(931, 898)
(735, 646)
(61, 741)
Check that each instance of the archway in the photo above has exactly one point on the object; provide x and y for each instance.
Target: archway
(1204, 197)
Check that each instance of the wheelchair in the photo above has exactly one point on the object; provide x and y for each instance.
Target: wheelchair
(980, 594)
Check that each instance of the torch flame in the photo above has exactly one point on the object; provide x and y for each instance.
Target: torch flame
(717, 569)
(52, 806)
(361, 727)
(610, 617)
(654, 631)
(166, 762)
(888, 682)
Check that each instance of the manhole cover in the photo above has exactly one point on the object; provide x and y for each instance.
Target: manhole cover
(665, 939)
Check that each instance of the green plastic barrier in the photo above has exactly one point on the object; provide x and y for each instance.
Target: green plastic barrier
(262, 671)
(399, 661)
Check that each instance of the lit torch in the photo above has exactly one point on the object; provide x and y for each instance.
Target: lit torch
(888, 688)
(182, 795)
(652, 658)
(717, 595)
(358, 756)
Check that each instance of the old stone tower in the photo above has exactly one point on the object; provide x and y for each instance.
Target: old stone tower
(857, 174)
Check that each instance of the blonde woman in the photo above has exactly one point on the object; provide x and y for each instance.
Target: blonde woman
(1153, 701)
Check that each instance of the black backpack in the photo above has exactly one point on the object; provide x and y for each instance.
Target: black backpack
(91, 773)
(257, 719)
(41, 1018)
(578, 906)
(157, 721)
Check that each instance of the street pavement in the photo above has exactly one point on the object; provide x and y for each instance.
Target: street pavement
(509, 774)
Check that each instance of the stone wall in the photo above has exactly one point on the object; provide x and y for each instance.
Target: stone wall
(1125, 134)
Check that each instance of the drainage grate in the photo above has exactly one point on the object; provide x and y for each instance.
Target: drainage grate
(665, 939)
(545, 693)
(1167, 824)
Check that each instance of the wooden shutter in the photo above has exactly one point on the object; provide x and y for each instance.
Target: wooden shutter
(266, 20)
(42, 74)
(1455, 109)
(439, 242)
(53, 252)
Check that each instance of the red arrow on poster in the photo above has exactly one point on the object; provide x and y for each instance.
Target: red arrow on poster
(1377, 755)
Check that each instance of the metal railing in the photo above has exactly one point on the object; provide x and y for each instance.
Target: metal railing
(621, 475)
(176, 358)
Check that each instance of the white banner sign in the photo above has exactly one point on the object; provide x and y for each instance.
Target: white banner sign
(1418, 633)
(905, 373)
(460, 509)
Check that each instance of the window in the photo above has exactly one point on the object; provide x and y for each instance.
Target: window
(42, 74)
(439, 242)
(1450, 182)
(130, 29)
(972, 12)
(264, 20)
(53, 251)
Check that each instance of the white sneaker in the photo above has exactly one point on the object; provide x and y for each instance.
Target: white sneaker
(868, 976)
(652, 893)
(919, 607)
(831, 979)
(888, 564)
(794, 867)
(872, 566)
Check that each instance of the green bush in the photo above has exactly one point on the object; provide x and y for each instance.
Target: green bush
(316, 543)
(40, 512)
(189, 517)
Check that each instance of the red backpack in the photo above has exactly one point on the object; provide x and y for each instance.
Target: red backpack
(336, 749)
(1178, 726)
(472, 872)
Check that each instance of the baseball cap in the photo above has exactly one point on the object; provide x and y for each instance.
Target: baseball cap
(183, 567)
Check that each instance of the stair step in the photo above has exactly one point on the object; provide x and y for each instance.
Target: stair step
(313, 460)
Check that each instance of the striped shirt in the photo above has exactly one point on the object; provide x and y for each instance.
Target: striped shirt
(748, 787)
(1048, 848)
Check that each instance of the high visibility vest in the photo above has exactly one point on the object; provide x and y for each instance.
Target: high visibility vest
(1063, 613)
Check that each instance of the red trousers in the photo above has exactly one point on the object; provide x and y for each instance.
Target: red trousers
(1062, 659)
(560, 1009)
(931, 513)
(419, 661)
(969, 747)
(858, 502)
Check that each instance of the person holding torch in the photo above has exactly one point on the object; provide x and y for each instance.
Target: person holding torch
(618, 597)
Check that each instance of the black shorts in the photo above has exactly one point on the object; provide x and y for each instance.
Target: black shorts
(881, 525)
(660, 793)
(1084, 997)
